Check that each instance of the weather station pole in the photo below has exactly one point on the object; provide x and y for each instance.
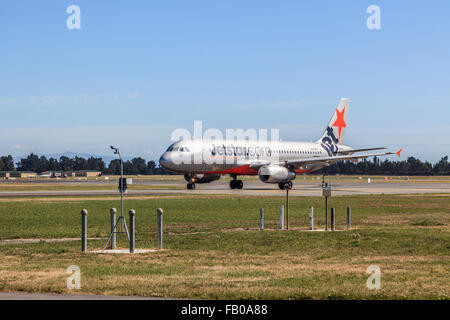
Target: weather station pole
(121, 190)
(121, 219)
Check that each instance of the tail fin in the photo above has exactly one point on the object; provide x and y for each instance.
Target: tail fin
(335, 130)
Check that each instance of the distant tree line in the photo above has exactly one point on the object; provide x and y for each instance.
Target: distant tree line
(6, 163)
(41, 164)
(411, 166)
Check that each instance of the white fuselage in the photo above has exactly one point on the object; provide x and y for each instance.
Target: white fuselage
(237, 156)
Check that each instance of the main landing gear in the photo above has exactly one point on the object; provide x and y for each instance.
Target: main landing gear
(285, 185)
(236, 184)
(191, 186)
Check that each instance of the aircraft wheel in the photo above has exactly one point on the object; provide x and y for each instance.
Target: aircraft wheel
(281, 186)
(191, 186)
(288, 185)
(233, 184)
(239, 184)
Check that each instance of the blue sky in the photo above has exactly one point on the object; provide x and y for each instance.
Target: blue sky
(139, 69)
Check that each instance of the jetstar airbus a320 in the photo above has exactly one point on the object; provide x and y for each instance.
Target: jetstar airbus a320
(205, 160)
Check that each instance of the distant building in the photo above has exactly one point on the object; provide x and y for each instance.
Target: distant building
(57, 174)
(4, 174)
(46, 174)
(88, 173)
(22, 174)
(69, 173)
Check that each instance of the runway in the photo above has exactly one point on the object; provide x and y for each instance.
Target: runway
(251, 188)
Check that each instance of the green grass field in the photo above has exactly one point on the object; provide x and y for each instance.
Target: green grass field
(213, 248)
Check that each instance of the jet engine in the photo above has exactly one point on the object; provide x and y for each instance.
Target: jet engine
(275, 174)
(201, 178)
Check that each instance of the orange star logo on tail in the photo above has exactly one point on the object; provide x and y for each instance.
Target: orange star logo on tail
(340, 123)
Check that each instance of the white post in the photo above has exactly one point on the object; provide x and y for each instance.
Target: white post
(84, 213)
(113, 212)
(160, 227)
(261, 219)
(349, 224)
(132, 229)
(281, 217)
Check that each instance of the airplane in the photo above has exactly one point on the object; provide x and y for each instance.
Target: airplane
(276, 162)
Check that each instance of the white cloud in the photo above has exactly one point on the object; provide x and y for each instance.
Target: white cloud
(58, 99)
(19, 147)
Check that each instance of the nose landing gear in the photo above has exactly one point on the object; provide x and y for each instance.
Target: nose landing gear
(191, 186)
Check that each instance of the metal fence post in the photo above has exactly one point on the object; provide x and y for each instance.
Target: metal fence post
(326, 213)
(349, 216)
(132, 229)
(311, 218)
(281, 217)
(84, 213)
(261, 219)
(113, 212)
(159, 213)
(333, 220)
(287, 208)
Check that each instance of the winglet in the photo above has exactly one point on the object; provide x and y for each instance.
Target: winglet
(398, 152)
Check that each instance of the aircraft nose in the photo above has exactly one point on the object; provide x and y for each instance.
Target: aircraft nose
(165, 161)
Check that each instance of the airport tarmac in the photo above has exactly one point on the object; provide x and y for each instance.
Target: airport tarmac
(251, 188)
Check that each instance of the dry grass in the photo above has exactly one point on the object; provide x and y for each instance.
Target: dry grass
(223, 255)
(218, 275)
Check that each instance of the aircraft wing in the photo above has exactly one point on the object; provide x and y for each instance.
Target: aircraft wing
(324, 160)
(359, 150)
(331, 159)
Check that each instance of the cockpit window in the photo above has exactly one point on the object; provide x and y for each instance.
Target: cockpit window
(170, 147)
(181, 149)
